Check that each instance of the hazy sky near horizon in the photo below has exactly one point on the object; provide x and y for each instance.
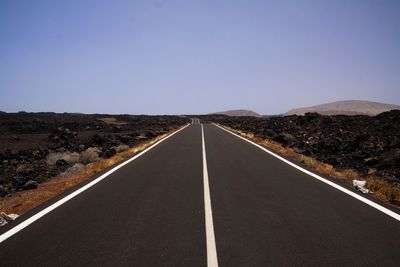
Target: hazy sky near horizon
(191, 57)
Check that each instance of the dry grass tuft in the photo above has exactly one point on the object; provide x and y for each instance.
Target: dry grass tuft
(121, 148)
(384, 190)
(308, 161)
(124, 155)
(289, 152)
(349, 174)
(325, 168)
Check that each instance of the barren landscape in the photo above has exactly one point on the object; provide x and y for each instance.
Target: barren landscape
(35, 147)
(360, 146)
(199, 133)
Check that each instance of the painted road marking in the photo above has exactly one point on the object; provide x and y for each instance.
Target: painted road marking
(42, 213)
(344, 190)
(212, 260)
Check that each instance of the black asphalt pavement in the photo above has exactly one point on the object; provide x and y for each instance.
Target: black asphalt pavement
(151, 213)
(148, 213)
(267, 213)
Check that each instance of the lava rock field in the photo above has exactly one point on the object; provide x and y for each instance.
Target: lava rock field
(37, 146)
(370, 145)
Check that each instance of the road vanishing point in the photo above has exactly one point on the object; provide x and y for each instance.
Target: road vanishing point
(205, 197)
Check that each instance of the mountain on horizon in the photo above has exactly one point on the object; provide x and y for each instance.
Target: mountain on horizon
(237, 113)
(346, 107)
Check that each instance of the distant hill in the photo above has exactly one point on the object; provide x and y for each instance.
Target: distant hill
(238, 113)
(348, 107)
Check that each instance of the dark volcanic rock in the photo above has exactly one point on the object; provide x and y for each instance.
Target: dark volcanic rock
(389, 159)
(284, 138)
(62, 165)
(365, 143)
(3, 191)
(19, 181)
(28, 139)
(108, 153)
(30, 185)
(150, 134)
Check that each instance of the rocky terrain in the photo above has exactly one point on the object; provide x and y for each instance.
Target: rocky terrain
(347, 107)
(35, 147)
(368, 144)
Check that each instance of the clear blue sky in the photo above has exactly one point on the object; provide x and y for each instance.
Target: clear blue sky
(174, 57)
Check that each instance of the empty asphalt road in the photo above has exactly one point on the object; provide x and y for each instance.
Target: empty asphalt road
(206, 197)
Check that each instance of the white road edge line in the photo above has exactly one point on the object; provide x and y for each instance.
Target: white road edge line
(344, 190)
(43, 212)
(212, 260)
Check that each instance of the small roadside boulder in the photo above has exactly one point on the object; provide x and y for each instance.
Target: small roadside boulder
(18, 180)
(3, 191)
(284, 138)
(108, 153)
(31, 184)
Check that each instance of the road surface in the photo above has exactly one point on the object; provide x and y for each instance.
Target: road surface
(206, 198)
